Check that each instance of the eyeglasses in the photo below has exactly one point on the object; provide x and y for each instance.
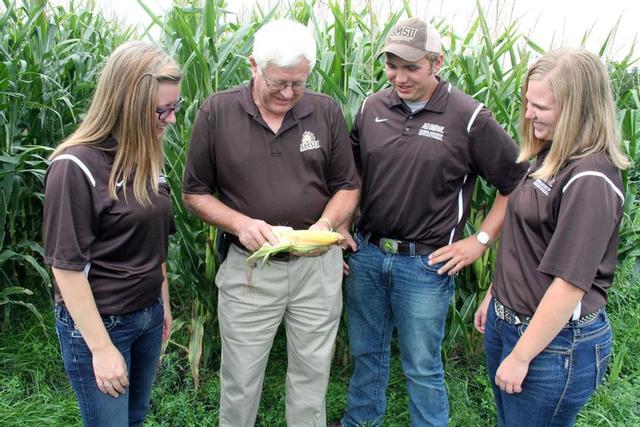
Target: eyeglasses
(280, 85)
(164, 112)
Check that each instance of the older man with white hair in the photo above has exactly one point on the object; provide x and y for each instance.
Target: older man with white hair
(275, 154)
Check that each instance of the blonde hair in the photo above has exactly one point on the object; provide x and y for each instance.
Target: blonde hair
(124, 105)
(586, 122)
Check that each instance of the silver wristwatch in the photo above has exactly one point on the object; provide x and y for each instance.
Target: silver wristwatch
(483, 238)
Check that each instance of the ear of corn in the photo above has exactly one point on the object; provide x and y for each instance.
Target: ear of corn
(300, 241)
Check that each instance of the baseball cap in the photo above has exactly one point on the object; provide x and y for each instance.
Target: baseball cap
(412, 39)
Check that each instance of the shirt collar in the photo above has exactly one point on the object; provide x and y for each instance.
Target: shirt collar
(109, 143)
(542, 154)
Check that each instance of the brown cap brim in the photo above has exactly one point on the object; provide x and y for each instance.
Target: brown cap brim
(405, 52)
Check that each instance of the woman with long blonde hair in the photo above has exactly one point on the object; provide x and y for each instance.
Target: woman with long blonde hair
(547, 336)
(107, 220)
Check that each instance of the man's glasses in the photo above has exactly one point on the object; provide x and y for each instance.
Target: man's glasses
(280, 85)
(164, 112)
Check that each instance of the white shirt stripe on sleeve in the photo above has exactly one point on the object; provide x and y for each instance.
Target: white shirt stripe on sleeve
(598, 174)
(473, 117)
(78, 162)
(460, 209)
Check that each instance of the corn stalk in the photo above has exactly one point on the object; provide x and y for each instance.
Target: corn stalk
(48, 64)
(49, 60)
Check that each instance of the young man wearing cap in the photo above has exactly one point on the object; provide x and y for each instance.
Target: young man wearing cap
(419, 146)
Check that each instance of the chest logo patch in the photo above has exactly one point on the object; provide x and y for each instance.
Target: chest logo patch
(543, 186)
(429, 130)
(309, 142)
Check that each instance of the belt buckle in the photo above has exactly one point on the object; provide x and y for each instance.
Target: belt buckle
(499, 308)
(507, 314)
(516, 320)
(389, 246)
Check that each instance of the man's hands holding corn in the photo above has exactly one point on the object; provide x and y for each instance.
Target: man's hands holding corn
(254, 233)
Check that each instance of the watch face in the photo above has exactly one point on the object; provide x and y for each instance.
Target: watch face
(482, 237)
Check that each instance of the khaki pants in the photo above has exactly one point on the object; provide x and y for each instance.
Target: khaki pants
(304, 292)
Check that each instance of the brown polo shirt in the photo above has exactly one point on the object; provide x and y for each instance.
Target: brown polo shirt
(568, 228)
(419, 169)
(285, 178)
(119, 244)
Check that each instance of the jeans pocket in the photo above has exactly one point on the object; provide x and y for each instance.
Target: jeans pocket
(560, 344)
(423, 262)
(110, 322)
(62, 315)
(358, 238)
(603, 358)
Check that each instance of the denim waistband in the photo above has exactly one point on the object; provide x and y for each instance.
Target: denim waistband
(62, 309)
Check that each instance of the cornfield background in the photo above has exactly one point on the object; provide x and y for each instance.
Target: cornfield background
(49, 60)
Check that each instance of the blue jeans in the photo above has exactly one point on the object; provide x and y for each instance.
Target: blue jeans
(138, 336)
(561, 379)
(402, 291)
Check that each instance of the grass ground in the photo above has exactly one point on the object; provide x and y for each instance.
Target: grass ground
(34, 390)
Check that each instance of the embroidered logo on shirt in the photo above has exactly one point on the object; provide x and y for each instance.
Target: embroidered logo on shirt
(542, 186)
(429, 130)
(309, 142)
(379, 120)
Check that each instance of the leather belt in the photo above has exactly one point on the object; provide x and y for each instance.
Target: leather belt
(513, 318)
(282, 256)
(403, 247)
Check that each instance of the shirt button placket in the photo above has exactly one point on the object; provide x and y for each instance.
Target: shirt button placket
(275, 147)
(407, 129)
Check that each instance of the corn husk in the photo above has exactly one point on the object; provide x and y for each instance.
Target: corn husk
(299, 241)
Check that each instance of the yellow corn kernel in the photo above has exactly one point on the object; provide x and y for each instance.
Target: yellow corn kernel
(314, 237)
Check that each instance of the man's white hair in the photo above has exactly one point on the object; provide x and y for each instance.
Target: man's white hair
(283, 43)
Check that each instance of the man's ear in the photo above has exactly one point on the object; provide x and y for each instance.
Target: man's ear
(254, 66)
(438, 63)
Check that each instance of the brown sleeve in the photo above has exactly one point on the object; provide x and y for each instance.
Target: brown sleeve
(172, 222)
(342, 171)
(587, 220)
(355, 140)
(494, 154)
(70, 216)
(200, 168)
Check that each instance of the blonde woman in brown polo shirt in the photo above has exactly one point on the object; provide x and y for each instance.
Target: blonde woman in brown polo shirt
(547, 336)
(107, 219)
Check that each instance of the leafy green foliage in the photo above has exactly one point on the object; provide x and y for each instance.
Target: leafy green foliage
(49, 60)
